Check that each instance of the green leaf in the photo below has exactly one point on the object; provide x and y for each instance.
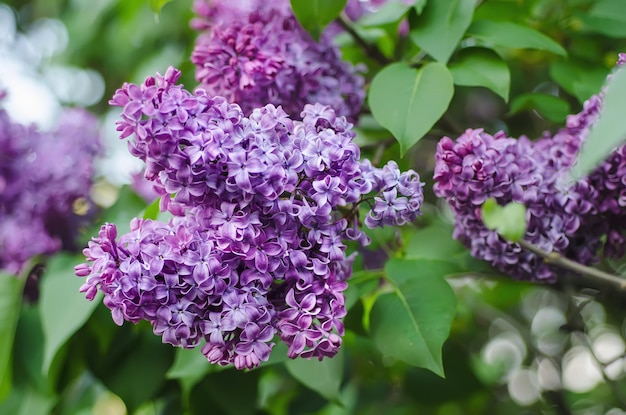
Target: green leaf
(548, 106)
(609, 131)
(578, 78)
(605, 17)
(409, 102)
(152, 210)
(11, 288)
(509, 221)
(324, 377)
(412, 322)
(434, 242)
(390, 12)
(482, 67)
(513, 35)
(441, 26)
(157, 5)
(419, 5)
(63, 309)
(314, 15)
(189, 367)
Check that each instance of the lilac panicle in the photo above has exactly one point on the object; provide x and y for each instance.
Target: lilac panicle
(263, 205)
(573, 219)
(255, 53)
(44, 175)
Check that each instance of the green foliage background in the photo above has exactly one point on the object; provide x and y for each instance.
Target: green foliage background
(421, 318)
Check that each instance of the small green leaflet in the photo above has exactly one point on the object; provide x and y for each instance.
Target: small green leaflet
(408, 102)
(314, 15)
(509, 221)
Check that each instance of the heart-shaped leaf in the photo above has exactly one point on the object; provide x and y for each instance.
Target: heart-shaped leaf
(412, 322)
(408, 102)
(441, 26)
(509, 221)
(482, 67)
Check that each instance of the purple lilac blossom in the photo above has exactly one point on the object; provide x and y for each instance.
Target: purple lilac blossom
(255, 53)
(574, 219)
(43, 175)
(262, 208)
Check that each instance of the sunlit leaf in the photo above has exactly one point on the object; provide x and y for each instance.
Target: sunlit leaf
(441, 26)
(509, 220)
(513, 35)
(609, 131)
(314, 15)
(63, 309)
(413, 321)
(482, 67)
(10, 302)
(157, 5)
(408, 102)
(323, 376)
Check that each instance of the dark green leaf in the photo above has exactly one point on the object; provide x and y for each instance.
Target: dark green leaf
(63, 309)
(441, 26)
(314, 15)
(10, 302)
(481, 67)
(509, 221)
(409, 102)
(578, 78)
(390, 12)
(548, 106)
(609, 131)
(323, 377)
(513, 35)
(137, 374)
(412, 322)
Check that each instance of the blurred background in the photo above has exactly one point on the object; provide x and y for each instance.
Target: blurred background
(515, 348)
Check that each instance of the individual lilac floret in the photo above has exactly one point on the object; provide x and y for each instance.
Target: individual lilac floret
(262, 208)
(264, 56)
(45, 176)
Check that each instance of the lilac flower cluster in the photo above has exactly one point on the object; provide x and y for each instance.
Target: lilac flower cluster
(262, 207)
(255, 53)
(43, 177)
(574, 219)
